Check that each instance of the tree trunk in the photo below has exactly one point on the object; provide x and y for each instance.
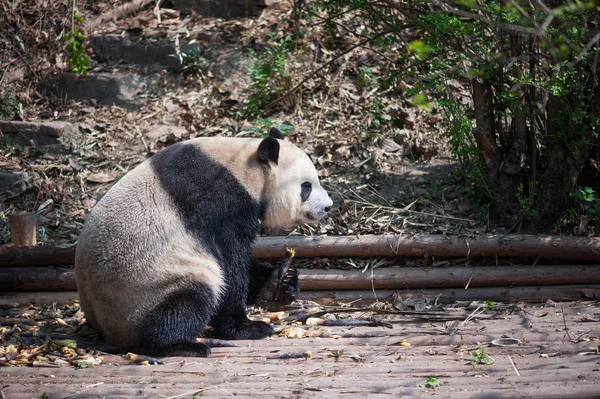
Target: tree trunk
(502, 171)
(564, 165)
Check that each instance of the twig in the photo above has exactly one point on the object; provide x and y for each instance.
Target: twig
(514, 367)
(567, 328)
(399, 210)
(4, 74)
(73, 17)
(502, 25)
(197, 391)
(157, 10)
(322, 111)
(470, 278)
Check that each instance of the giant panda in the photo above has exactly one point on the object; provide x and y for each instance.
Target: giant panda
(167, 251)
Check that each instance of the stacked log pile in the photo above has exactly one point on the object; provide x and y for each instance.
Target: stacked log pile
(537, 276)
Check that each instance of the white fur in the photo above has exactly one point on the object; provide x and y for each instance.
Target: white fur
(285, 207)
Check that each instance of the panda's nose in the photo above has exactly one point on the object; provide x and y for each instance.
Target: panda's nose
(327, 208)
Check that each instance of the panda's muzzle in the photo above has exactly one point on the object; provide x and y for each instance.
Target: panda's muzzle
(316, 217)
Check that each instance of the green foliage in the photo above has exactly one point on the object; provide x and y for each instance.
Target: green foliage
(262, 126)
(574, 118)
(78, 61)
(586, 202)
(501, 44)
(367, 79)
(191, 64)
(190, 61)
(480, 356)
(489, 304)
(421, 49)
(270, 76)
(372, 82)
(525, 201)
(422, 101)
(461, 145)
(9, 105)
(431, 382)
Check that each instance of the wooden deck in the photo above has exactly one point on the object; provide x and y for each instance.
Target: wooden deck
(558, 358)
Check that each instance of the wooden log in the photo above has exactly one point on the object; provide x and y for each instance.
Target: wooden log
(41, 278)
(540, 294)
(449, 277)
(528, 246)
(23, 227)
(516, 246)
(35, 256)
(394, 278)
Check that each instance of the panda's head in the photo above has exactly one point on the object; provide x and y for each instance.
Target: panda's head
(294, 194)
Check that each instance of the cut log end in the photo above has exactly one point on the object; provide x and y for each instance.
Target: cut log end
(23, 226)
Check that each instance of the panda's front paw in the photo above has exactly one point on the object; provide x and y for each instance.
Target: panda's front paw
(288, 287)
(246, 329)
(278, 291)
(256, 330)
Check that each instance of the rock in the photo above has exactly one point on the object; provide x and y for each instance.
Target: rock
(15, 75)
(120, 89)
(13, 184)
(402, 136)
(166, 133)
(230, 67)
(117, 47)
(550, 303)
(388, 145)
(55, 135)
(222, 8)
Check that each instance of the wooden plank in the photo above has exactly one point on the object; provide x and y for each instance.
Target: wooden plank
(11, 299)
(386, 368)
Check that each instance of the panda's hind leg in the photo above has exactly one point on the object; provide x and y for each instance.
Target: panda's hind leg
(171, 328)
(230, 320)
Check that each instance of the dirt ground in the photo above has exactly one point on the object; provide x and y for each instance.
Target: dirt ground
(393, 176)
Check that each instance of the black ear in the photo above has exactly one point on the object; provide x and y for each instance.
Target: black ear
(268, 151)
(274, 132)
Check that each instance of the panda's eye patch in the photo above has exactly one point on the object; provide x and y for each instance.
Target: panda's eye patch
(306, 190)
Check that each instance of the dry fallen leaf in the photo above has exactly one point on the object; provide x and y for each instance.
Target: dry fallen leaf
(100, 177)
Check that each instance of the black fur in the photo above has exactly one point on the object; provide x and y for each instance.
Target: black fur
(306, 191)
(171, 327)
(224, 218)
(275, 132)
(268, 151)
